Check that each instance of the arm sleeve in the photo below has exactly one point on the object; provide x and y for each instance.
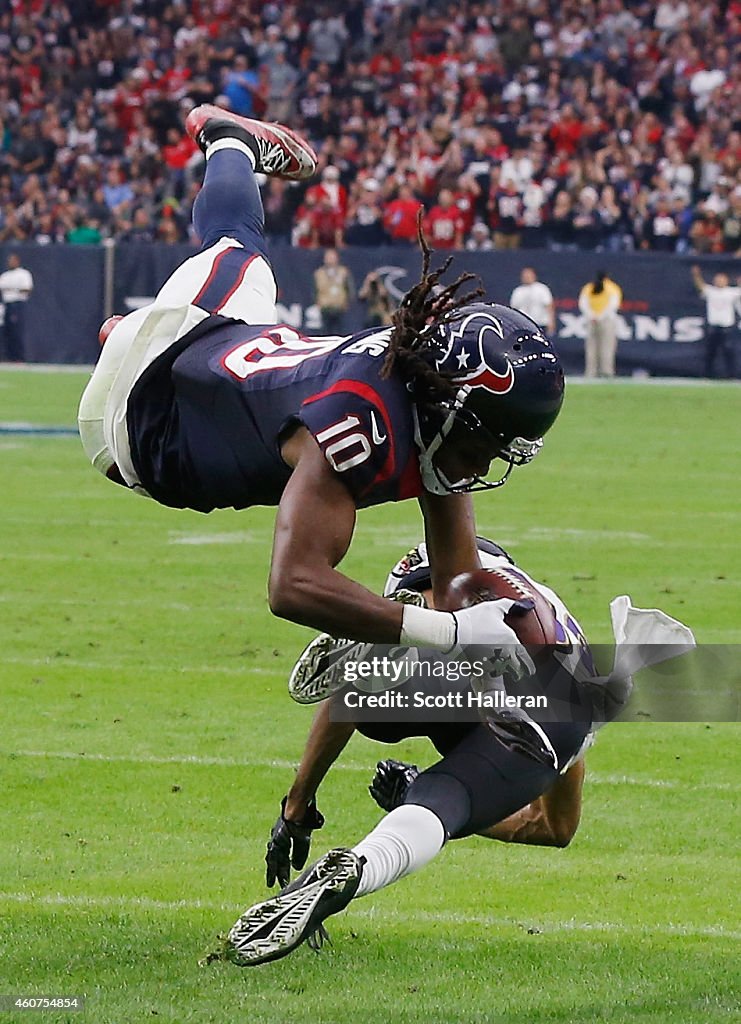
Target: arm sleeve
(351, 424)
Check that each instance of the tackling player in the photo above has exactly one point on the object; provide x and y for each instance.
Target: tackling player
(201, 400)
(511, 777)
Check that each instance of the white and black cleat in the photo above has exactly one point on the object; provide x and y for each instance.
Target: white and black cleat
(320, 669)
(274, 928)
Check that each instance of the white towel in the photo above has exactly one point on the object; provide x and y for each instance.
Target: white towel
(643, 637)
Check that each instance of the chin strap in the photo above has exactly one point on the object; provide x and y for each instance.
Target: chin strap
(433, 479)
(518, 452)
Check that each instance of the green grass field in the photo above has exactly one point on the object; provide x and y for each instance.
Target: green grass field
(147, 739)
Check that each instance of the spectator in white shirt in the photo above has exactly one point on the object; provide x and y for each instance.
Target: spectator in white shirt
(670, 16)
(16, 284)
(534, 299)
(722, 308)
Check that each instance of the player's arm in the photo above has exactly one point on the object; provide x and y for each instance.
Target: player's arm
(290, 837)
(450, 535)
(324, 744)
(698, 279)
(551, 820)
(314, 526)
(313, 530)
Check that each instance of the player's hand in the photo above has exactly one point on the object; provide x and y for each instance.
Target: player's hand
(484, 624)
(391, 782)
(289, 844)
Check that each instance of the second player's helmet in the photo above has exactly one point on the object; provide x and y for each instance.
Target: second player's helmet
(510, 388)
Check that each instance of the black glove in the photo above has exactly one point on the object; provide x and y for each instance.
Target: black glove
(289, 844)
(391, 782)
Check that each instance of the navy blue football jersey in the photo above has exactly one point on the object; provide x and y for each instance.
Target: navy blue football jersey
(207, 419)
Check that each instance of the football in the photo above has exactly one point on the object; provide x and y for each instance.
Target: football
(535, 628)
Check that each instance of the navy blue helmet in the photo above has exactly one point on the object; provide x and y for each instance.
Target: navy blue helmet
(510, 388)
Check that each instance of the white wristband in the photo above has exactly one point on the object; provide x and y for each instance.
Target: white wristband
(423, 627)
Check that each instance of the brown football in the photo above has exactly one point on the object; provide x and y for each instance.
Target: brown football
(535, 628)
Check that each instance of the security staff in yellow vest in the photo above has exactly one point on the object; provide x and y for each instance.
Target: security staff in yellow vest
(599, 302)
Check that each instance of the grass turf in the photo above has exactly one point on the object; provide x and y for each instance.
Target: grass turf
(147, 739)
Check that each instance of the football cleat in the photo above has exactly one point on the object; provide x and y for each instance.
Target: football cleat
(278, 151)
(320, 669)
(274, 928)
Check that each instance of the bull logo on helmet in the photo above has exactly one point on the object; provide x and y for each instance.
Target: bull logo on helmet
(465, 355)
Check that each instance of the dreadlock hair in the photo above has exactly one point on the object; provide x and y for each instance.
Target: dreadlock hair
(410, 344)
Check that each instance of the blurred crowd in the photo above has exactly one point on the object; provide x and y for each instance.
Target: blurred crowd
(607, 125)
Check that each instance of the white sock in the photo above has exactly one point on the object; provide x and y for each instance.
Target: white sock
(230, 143)
(406, 840)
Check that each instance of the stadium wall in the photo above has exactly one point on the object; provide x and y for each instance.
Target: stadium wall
(76, 287)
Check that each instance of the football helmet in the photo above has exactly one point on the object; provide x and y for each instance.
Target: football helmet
(510, 388)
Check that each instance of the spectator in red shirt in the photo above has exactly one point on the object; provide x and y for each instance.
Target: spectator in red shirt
(444, 223)
(302, 224)
(466, 197)
(326, 225)
(177, 154)
(330, 188)
(566, 133)
(178, 150)
(385, 65)
(400, 217)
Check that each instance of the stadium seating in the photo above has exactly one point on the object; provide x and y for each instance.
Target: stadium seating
(610, 125)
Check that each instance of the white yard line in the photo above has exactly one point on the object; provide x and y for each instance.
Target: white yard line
(593, 778)
(38, 428)
(136, 903)
(47, 368)
(149, 666)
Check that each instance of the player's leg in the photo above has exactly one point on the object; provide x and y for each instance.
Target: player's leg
(550, 820)
(231, 274)
(463, 793)
(477, 784)
(482, 781)
(405, 841)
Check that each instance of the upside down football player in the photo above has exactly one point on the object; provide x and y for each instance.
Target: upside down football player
(508, 777)
(200, 400)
